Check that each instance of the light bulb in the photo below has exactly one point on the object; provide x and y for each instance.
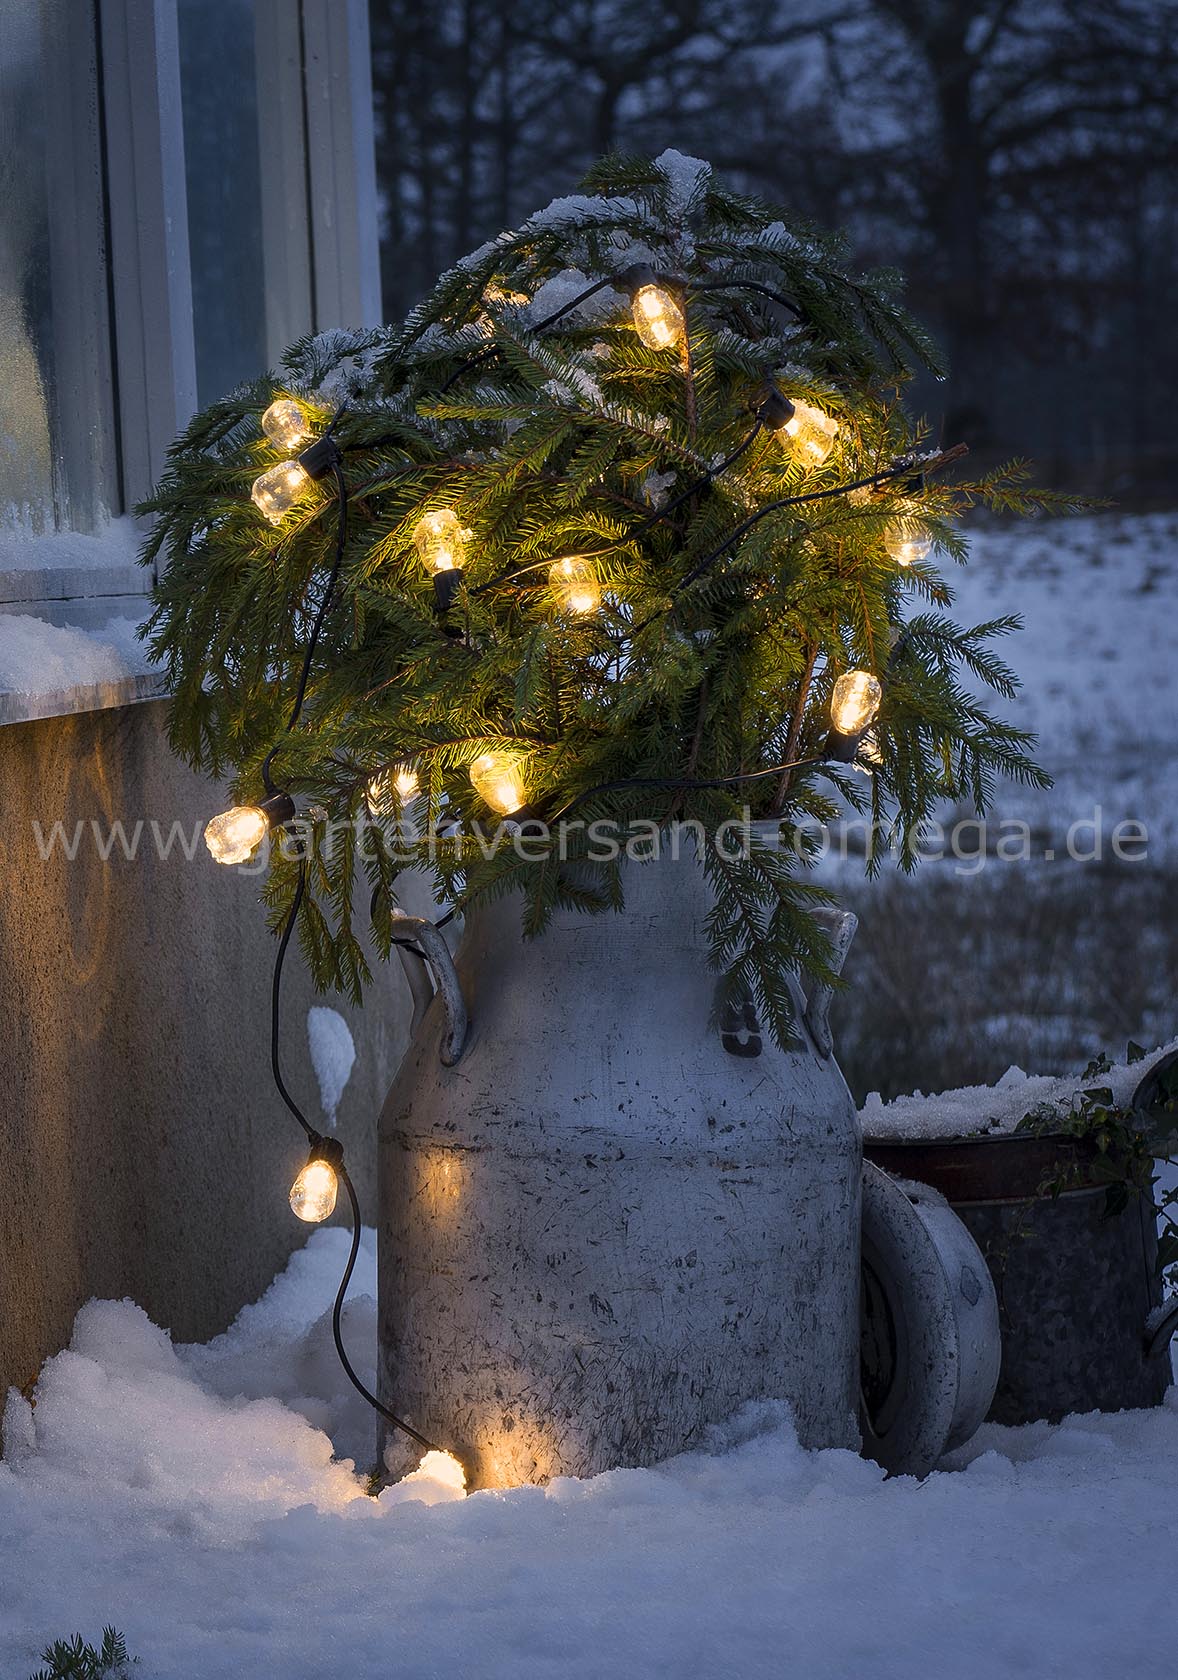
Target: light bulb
(401, 779)
(312, 1195)
(576, 583)
(285, 424)
(811, 433)
(279, 488)
(232, 836)
(496, 778)
(907, 539)
(441, 541)
(855, 702)
(659, 321)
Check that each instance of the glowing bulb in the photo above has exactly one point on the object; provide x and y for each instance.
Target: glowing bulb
(232, 836)
(576, 583)
(658, 318)
(811, 433)
(401, 779)
(279, 488)
(855, 702)
(312, 1195)
(285, 425)
(495, 777)
(907, 539)
(441, 541)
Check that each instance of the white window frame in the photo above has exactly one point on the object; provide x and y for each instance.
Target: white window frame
(126, 325)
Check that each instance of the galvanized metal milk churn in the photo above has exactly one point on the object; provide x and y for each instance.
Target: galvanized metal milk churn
(606, 1223)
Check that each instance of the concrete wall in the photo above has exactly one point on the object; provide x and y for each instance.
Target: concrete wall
(143, 1150)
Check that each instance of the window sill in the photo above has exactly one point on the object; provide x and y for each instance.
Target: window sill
(70, 609)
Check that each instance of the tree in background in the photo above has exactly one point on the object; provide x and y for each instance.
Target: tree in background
(1015, 156)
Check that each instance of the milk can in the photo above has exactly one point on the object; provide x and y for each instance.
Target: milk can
(610, 1220)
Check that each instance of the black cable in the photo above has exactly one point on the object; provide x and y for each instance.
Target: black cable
(644, 524)
(337, 1329)
(276, 1004)
(341, 538)
(775, 507)
(486, 354)
(747, 286)
(679, 783)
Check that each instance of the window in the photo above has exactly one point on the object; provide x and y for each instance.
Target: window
(187, 186)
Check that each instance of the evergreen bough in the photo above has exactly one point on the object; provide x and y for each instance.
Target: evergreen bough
(561, 442)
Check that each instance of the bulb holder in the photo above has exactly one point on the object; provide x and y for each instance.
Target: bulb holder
(840, 748)
(637, 275)
(446, 587)
(279, 808)
(329, 1150)
(776, 411)
(318, 459)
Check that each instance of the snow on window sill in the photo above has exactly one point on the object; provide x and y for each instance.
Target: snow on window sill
(52, 670)
(70, 609)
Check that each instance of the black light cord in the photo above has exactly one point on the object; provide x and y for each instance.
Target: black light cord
(680, 783)
(785, 502)
(643, 524)
(491, 350)
(276, 1004)
(747, 286)
(341, 541)
(337, 1328)
(315, 1139)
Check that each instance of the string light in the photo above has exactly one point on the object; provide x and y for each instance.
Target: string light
(658, 317)
(285, 424)
(907, 539)
(496, 778)
(234, 835)
(277, 490)
(811, 432)
(854, 704)
(401, 780)
(313, 1193)
(440, 540)
(575, 582)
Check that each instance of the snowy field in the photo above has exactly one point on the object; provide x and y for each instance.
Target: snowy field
(158, 1489)
(1044, 954)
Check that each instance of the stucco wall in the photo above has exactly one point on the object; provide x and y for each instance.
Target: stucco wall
(143, 1151)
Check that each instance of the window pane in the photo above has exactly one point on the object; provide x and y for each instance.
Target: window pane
(56, 431)
(222, 165)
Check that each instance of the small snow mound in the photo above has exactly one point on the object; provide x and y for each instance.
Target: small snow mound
(438, 1480)
(688, 178)
(333, 1055)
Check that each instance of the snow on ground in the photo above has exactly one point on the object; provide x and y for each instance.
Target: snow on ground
(165, 1490)
(1098, 595)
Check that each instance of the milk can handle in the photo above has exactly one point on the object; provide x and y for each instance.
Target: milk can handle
(839, 927)
(428, 936)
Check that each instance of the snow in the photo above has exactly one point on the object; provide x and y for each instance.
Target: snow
(996, 1108)
(687, 178)
(37, 657)
(333, 1055)
(184, 1495)
(114, 543)
(1100, 683)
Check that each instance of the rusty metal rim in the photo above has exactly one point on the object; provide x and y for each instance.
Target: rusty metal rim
(1004, 1168)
